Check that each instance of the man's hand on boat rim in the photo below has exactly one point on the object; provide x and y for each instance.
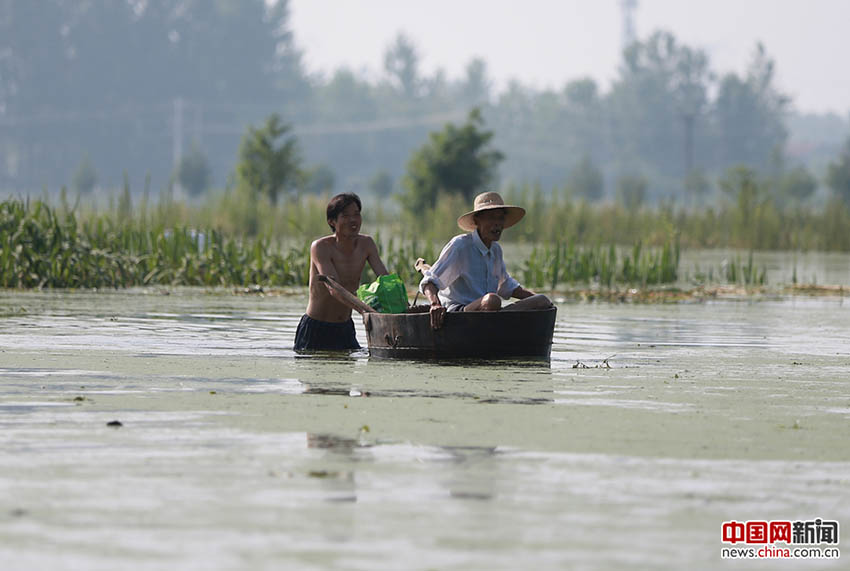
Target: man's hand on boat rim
(438, 314)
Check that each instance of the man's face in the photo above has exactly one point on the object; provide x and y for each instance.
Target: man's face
(490, 224)
(347, 222)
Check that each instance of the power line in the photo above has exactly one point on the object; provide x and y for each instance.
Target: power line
(175, 113)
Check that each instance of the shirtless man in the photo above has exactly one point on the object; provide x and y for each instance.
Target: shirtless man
(327, 325)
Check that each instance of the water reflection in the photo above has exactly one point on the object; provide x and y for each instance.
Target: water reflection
(473, 472)
(334, 443)
(505, 398)
(332, 470)
(332, 356)
(471, 362)
(338, 392)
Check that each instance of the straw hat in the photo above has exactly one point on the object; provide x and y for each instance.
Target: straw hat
(490, 201)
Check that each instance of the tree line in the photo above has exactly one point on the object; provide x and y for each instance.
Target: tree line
(92, 90)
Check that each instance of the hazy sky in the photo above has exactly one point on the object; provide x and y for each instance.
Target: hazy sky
(545, 43)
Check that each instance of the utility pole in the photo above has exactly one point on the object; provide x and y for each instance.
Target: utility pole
(177, 138)
(629, 34)
(197, 124)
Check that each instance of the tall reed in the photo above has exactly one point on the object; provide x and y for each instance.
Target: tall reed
(42, 246)
(550, 218)
(549, 266)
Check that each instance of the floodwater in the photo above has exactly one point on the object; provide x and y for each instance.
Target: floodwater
(651, 426)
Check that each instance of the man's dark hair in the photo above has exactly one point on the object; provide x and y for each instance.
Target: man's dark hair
(339, 203)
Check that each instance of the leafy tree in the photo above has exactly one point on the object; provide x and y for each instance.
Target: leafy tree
(381, 184)
(740, 180)
(401, 62)
(584, 123)
(838, 174)
(542, 128)
(476, 86)
(582, 93)
(697, 185)
(631, 190)
(586, 180)
(85, 177)
(346, 97)
(512, 118)
(318, 179)
(456, 160)
(102, 74)
(269, 161)
(435, 90)
(748, 115)
(193, 172)
(798, 184)
(741, 184)
(690, 82)
(657, 101)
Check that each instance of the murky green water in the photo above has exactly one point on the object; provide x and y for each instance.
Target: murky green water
(236, 454)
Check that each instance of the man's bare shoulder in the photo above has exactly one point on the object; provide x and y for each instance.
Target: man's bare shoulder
(322, 243)
(367, 241)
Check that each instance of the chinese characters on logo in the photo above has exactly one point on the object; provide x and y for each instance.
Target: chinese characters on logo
(811, 532)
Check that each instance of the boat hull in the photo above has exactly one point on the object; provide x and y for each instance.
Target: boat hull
(473, 335)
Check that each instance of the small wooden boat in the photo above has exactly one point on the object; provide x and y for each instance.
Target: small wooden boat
(475, 334)
(464, 335)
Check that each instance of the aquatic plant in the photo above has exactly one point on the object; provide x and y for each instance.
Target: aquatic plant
(731, 271)
(551, 217)
(40, 247)
(548, 266)
(745, 225)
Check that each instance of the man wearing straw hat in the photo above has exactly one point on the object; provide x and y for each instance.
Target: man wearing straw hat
(470, 274)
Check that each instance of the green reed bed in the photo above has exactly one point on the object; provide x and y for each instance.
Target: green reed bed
(734, 271)
(45, 247)
(759, 224)
(563, 263)
(41, 248)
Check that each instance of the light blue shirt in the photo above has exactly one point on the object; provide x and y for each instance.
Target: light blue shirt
(467, 270)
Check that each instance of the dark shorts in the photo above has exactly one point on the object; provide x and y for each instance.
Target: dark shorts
(315, 335)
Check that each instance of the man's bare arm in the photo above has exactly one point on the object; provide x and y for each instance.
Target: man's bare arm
(374, 259)
(438, 312)
(521, 293)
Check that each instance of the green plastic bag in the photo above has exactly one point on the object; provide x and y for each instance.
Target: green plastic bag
(386, 294)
